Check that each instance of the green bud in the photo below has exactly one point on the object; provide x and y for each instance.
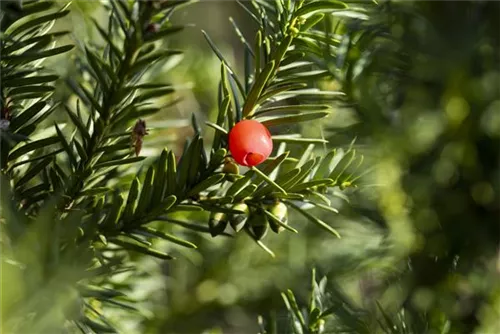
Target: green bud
(258, 225)
(217, 223)
(294, 31)
(346, 184)
(281, 212)
(237, 221)
(231, 169)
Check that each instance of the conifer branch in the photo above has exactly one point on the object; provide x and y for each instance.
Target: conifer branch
(105, 222)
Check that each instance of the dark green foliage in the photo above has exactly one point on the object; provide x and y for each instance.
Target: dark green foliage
(329, 310)
(278, 95)
(409, 69)
(75, 176)
(26, 86)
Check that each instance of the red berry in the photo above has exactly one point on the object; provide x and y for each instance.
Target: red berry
(250, 143)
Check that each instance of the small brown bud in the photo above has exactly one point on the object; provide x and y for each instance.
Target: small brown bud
(153, 27)
(138, 133)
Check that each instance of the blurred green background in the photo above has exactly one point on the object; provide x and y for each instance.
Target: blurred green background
(422, 228)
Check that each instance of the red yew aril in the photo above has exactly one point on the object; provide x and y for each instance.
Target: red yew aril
(250, 143)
